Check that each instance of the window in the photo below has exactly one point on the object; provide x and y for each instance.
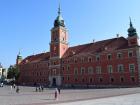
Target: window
(63, 38)
(112, 79)
(54, 63)
(68, 78)
(90, 70)
(130, 53)
(110, 69)
(37, 73)
(82, 70)
(83, 80)
(75, 79)
(132, 79)
(120, 68)
(97, 57)
(119, 55)
(62, 78)
(109, 56)
(75, 60)
(82, 59)
(100, 79)
(63, 68)
(131, 68)
(54, 71)
(89, 59)
(98, 70)
(122, 79)
(90, 80)
(76, 71)
(68, 68)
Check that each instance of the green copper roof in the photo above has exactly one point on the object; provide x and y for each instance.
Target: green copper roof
(131, 30)
(19, 56)
(59, 21)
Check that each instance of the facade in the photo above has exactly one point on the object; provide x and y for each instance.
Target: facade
(113, 61)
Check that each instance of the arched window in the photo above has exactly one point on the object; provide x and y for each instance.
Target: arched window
(76, 71)
(90, 70)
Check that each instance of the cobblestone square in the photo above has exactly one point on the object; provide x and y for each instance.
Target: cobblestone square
(28, 96)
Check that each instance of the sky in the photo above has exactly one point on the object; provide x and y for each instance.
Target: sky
(25, 24)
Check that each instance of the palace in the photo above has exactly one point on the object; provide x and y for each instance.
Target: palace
(108, 62)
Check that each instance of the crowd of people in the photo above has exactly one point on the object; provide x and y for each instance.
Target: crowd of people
(13, 86)
(38, 88)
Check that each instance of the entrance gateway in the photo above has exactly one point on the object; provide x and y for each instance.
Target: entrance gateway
(55, 81)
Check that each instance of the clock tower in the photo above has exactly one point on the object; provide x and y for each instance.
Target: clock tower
(58, 47)
(133, 38)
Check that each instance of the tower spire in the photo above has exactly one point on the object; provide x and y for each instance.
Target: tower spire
(131, 25)
(131, 30)
(59, 21)
(59, 9)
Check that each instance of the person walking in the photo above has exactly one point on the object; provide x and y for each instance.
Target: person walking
(42, 88)
(11, 87)
(17, 90)
(59, 90)
(56, 94)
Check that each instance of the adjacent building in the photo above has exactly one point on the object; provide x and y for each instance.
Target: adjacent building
(113, 61)
(1, 70)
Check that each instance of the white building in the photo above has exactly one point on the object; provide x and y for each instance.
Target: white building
(1, 70)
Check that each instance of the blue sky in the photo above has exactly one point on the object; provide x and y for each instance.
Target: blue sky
(25, 24)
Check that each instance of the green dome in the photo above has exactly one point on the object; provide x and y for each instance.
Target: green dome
(131, 30)
(59, 21)
(19, 56)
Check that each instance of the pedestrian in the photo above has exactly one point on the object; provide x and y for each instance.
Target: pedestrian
(36, 89)
(11, 87)
(56, 94)
(42, 88)
(59, 90)
(14, 86)
(17, 90)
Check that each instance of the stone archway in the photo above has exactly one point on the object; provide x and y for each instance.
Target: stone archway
(54, 82)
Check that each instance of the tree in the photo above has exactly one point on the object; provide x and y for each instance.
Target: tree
(13, 72)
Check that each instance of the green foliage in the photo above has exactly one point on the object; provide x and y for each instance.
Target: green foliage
(13, 72)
